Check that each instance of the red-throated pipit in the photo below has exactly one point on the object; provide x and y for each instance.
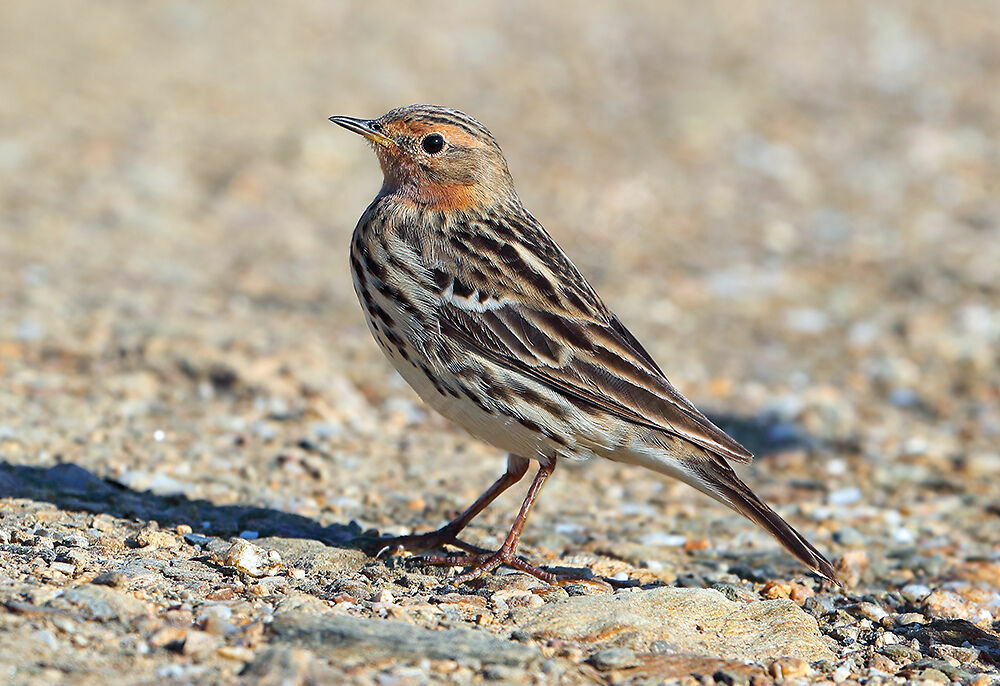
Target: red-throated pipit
(492, 325)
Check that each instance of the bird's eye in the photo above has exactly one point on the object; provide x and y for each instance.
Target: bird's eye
(432, 143)
(375, 126)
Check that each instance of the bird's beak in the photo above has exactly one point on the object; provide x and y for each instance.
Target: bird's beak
(364, 127)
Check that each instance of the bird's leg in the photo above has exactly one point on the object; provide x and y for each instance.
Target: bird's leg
(483, 562)
(517, 467)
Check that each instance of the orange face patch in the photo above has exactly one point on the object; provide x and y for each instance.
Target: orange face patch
(454, 135)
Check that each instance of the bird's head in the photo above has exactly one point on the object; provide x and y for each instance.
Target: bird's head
(436, 157)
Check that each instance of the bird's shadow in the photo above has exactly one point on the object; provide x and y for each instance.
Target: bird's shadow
(71, 487)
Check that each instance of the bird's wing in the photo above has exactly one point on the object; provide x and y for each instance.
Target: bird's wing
(570, 342)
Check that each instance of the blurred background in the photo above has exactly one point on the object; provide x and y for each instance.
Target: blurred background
(793, 205)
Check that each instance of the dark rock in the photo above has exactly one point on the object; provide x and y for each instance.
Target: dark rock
(731, 677)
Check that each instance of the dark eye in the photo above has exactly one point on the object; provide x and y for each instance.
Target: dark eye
(375, 126)
(432, 143)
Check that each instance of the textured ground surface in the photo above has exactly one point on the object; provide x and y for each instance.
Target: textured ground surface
(795, 207)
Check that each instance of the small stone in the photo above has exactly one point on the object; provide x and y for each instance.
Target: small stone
(961, 654)
(901, 653)
(915, 592)
(383, 596)
(64, 567)
(867, 610)
(776, 589)
(296, 573)
(288, 665)
(183, 529)
(882, 664)
(199, 643)
(845, 496)
(788, 668)
(730, 677)
(74, 541)
(910, 618)
(103, 523)
(237, 653)
(851, 566)
(74, 556)
(735, 592)
(842, 673)
(101, 603)
(268, 586)
(197, 539)
(168, 636)
(251, 559)
(614, 658)
(153, 539)
(114, 579)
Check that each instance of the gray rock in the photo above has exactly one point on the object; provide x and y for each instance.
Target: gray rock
(696, 620)
(101, 603)
(314, 556)
(373, 639)
(614, 658)
(284, 666)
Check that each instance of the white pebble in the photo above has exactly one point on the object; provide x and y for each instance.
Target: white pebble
(844, 496)
(251, 560)
(663, 539)
(836, 467)
(902, 535)
(915, 592)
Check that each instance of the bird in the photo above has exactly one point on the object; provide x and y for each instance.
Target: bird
(495, 328)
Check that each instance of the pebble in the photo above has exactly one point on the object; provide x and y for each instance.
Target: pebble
(900, 653)
(789, 668)
(199, 643)
(614, 658)
(845, 496)
(114, 579)
(74, 541)
(152, 539)
(910, 618)
(251, 560)
(868, 610)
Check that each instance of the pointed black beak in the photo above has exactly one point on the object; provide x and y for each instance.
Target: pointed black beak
(369, 128)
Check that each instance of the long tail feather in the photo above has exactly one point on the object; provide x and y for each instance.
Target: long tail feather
(720, 481)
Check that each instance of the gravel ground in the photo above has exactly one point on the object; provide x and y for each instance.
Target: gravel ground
(794, 206)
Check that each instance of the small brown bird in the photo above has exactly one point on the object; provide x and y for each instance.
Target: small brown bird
(491, 324)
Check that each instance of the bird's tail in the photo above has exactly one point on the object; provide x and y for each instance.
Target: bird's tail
(717, 479)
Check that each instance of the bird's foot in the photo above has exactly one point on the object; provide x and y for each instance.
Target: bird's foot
(432, 540)
(482, 562)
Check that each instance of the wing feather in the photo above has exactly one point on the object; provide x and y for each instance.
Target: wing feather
(518, 301)
(621, 379)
